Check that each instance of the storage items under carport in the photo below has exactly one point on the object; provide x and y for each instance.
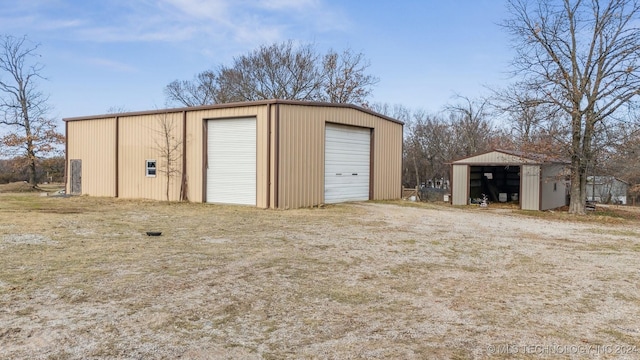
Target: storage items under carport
(498, 183)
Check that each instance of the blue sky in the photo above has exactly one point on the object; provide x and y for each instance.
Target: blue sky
(122, 53)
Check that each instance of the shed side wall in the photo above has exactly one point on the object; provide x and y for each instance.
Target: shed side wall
(530, 187)
(553, 187)
(93, 142)
(460, 185)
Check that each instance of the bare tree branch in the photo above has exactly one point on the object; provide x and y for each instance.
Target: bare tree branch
(24, 109)
(582, 57)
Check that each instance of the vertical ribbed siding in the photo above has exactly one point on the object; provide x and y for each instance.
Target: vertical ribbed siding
(387, 168)
(301, 162)
(460, 185)
(290, 154)
(141, 138)
(530, 187)
(93, 142)
(301, 158)
(553, 188)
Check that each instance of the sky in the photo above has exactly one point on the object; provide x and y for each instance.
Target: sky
(104, 54)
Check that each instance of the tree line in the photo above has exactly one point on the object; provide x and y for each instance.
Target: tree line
(575, 94)
(49, 169)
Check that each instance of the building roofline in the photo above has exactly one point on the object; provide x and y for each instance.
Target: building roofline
(232, 105)
(538, 159)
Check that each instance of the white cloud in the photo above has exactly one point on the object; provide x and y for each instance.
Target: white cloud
(111, 65)
(289, 5)
(199, 9)
(248, 23)
(58, 24)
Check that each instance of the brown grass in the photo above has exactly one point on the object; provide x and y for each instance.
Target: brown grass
(80, 279)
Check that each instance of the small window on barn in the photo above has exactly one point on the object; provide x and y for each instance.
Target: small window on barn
(555, 186)
(151, 168)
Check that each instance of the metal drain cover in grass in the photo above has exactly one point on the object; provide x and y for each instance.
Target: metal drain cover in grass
(154, 233)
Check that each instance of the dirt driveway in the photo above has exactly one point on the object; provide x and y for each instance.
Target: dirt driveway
(80, 280)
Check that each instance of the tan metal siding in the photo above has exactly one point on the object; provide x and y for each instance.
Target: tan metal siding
(196, 122)
(553, 191)
(387, 164)
(460, 185)
(195, 157)
(301, 153)
(290, 163)
(94, 142)
(493, 157)
(530, 187)
(141, 138)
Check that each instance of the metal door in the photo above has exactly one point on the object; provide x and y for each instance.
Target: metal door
(76, 177)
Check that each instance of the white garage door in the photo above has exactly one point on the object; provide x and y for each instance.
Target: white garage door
(346, 163)
(231, 155)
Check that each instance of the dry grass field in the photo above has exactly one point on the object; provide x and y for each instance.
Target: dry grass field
(79, 279)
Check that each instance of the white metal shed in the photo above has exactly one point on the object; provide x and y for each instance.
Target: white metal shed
(534, 181)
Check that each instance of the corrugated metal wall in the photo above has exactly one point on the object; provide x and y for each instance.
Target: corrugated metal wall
(460, 185)
(93, 142)
(301, 161)
(553, 188)
(530, 187)
(142, 138)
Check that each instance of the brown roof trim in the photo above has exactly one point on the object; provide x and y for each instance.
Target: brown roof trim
(236, 104)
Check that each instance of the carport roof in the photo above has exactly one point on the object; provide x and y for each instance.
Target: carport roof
(509, 157)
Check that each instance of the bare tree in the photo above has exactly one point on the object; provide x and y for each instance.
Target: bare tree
(582, 56)
(23, 108)
(279, 71)
(472, 129)
(533, 126)
(170, 148)
(117, 110)
(625, 158)
(522, 110)
(346, 80)
(430, 146)
(202, 90)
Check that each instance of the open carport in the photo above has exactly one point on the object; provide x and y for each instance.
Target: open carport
(533, 181)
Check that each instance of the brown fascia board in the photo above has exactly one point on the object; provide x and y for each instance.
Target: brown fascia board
(236, 104)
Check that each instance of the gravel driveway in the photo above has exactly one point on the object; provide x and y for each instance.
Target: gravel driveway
(355, 281)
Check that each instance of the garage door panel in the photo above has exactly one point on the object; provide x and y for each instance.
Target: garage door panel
(231, 150)
(347, 154)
